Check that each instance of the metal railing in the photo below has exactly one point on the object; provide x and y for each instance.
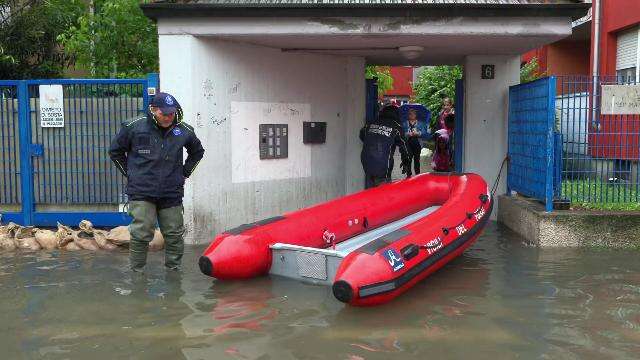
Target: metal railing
(600, 153)
(9, 143)
(51, 174)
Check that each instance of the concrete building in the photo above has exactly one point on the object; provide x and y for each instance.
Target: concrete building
(618, 51)
(569, 56)
(620, 35)
(234, 65)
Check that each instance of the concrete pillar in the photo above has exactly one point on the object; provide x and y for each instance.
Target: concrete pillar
(486, 114)
(354, 119)
(177, 78)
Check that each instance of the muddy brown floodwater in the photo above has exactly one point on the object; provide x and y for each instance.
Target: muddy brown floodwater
(500, 300)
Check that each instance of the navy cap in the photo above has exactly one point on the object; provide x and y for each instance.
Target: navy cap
(165, 102)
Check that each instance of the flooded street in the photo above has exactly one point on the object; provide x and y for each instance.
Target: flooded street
(500, 300)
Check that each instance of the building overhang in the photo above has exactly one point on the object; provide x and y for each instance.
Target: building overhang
(446, 31)
(159, 10)
(379, 40)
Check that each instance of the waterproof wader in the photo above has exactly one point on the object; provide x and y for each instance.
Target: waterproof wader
(171, 221)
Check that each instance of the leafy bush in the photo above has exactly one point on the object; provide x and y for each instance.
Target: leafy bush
(28, 37)
(117, 41)
(383, 75)
(434, 84)
(530, 71)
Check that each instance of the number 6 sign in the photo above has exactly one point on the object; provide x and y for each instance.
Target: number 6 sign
(488, 71)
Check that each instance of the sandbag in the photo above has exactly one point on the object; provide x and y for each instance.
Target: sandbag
(27, 243)
(119, 235)
(100, 236)
(64, 236)
(6, 242)
(72, 246)
(4, 229)
(46, 239)
(85, 240)
(11, 229)
(86, 226)
(101, 239)
(23, 232)
(157, 243)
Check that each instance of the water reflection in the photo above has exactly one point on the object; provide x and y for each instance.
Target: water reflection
(501, 299)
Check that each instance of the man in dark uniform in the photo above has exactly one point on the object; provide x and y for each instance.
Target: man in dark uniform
(149, 152)
(378, 138)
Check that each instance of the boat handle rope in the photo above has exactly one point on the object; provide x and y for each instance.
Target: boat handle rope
(495, 184)
(483, 198)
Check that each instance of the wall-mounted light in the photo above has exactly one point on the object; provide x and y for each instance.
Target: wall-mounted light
(411, 52)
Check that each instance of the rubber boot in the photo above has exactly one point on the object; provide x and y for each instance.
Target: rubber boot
(171, 223)
(142, 228)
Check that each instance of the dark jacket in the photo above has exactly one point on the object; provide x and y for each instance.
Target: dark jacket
(152, 160)
(413, 141)
(379, 137)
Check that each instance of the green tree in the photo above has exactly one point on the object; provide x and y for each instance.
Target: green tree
(530, 71)
(383, 74)
(115, 40)
(434, 84)
(28, 37)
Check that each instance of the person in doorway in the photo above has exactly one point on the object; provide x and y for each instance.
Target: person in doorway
(415, 130)
(447, 109)
(398, 126)
(148, 151)
(443, 155)
(378, 138)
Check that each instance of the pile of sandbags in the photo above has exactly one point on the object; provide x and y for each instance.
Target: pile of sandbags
(6, 239)
(13, 237)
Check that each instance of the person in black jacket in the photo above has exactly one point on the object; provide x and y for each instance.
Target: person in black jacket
(396, 125)
(379, 137)
(148, 151)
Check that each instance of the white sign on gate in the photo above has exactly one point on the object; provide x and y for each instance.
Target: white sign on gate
(51, 106)
(620, 100)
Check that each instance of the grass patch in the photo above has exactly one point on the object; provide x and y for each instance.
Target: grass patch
(595, 194)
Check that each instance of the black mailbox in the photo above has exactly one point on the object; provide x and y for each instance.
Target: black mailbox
(314, 132)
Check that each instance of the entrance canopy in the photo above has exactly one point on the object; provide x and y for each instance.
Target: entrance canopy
(414, 32)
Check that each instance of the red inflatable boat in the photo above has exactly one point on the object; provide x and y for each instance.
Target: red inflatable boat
(371, 246)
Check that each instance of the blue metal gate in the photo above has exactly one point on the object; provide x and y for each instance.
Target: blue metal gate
(10, 194)
(531, 139)
(64, 174)
(600, 152)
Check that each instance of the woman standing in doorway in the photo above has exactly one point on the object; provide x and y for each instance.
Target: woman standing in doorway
(443, 153)
(447, 108)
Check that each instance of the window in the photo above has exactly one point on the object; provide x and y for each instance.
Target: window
(627, 76)
(627, 55)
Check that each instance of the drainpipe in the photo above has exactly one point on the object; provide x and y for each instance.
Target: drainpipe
(596, 8)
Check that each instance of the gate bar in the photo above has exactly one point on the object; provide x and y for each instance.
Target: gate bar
(26, 166)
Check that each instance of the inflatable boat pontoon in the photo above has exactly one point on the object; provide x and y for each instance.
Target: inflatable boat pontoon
(370, 246)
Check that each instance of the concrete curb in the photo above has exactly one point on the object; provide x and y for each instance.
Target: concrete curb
(569, 228)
